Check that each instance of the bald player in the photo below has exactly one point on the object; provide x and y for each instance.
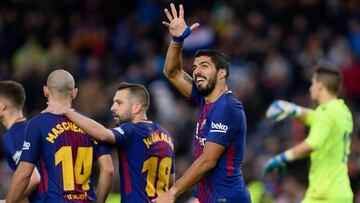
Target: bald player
(66, 153)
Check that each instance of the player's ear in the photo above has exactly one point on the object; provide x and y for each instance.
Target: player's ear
(222, 73)
(137, 108)
(46, 91)
(3, 104)
(74, 93)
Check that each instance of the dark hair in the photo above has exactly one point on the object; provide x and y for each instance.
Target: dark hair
(218, 58)
(329, 75)
(14, 92)
(138, 91)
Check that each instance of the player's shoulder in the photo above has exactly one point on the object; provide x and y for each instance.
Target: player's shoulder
(16, 131)
(228, 103)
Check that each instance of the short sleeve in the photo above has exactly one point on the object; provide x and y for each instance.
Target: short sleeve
(32, 144)
(123, 133)
(195, 96)
(320, 129)
(103, 149)
(224, 124)
(310, 117)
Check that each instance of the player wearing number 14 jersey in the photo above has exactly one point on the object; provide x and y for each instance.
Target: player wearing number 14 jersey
(66, 152)
(146, 150)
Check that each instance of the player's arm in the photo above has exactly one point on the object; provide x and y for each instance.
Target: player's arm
(20, 181)
(105, 177)
(279, 161)
(90, 126)
(201, 166)
(33, 183)
(173, 68)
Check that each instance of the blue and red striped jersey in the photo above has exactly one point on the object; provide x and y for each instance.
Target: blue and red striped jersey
(66, 154)
(222, 122)
(13, 142)
(146, 160)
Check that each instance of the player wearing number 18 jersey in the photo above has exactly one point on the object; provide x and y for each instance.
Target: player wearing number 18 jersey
(66, 152)
(146, 150)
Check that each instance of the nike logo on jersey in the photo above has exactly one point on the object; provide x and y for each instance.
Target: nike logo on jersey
(16, 157)
(218, 127)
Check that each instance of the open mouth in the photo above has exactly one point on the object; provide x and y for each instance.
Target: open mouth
(199, 79)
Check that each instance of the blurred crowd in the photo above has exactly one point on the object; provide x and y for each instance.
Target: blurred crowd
(272, 46)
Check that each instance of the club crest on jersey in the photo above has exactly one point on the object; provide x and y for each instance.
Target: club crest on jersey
(218, 127)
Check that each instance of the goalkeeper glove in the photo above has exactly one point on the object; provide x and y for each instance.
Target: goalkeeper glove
(277, 162)
(280, 109)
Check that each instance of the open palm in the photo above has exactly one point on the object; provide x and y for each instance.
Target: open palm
(177, 24)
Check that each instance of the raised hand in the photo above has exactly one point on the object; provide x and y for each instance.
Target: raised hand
(177, 26)
(280, 109)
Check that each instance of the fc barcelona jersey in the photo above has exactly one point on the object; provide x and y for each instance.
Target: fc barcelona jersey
(13, 141)
(222, 122)
(66, 154)
(146, 159)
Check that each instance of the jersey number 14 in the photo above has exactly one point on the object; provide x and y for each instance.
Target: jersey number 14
(82, 169)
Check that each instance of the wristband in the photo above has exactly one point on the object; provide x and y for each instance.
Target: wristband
(184, 35)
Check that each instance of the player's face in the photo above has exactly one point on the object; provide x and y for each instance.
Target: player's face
(122, 107)
(204, 75)
(315, 88)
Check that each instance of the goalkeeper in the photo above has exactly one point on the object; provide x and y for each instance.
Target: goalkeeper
(328, 142)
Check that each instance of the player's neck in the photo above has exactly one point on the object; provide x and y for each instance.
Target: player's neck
(12, 117)
(64, 101)
(326, 97)
(141, 118)
(218, 91)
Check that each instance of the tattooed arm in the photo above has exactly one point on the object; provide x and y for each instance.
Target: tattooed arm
(174, 72)
(173, 68)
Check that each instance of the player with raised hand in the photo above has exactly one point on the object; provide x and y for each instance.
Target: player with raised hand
(328, 142)
(65, 151)
(221, 126)
(12, 98)
(145, 149)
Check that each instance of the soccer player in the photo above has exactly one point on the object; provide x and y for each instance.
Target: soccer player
(328, 142)
(145, 149)
(12, 98)
(65, 151)
(221, 125)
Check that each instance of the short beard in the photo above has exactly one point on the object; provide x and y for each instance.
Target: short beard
(205, 91)
(127, 119)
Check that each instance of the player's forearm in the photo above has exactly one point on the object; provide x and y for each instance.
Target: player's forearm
(33, 184)
(104, 186)
(193, 175)
(173, 60)
(18, 186)
(91, 127)
(105, 177)
(301, 150)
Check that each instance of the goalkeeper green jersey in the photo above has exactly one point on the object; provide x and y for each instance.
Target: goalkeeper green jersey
(330, 127)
